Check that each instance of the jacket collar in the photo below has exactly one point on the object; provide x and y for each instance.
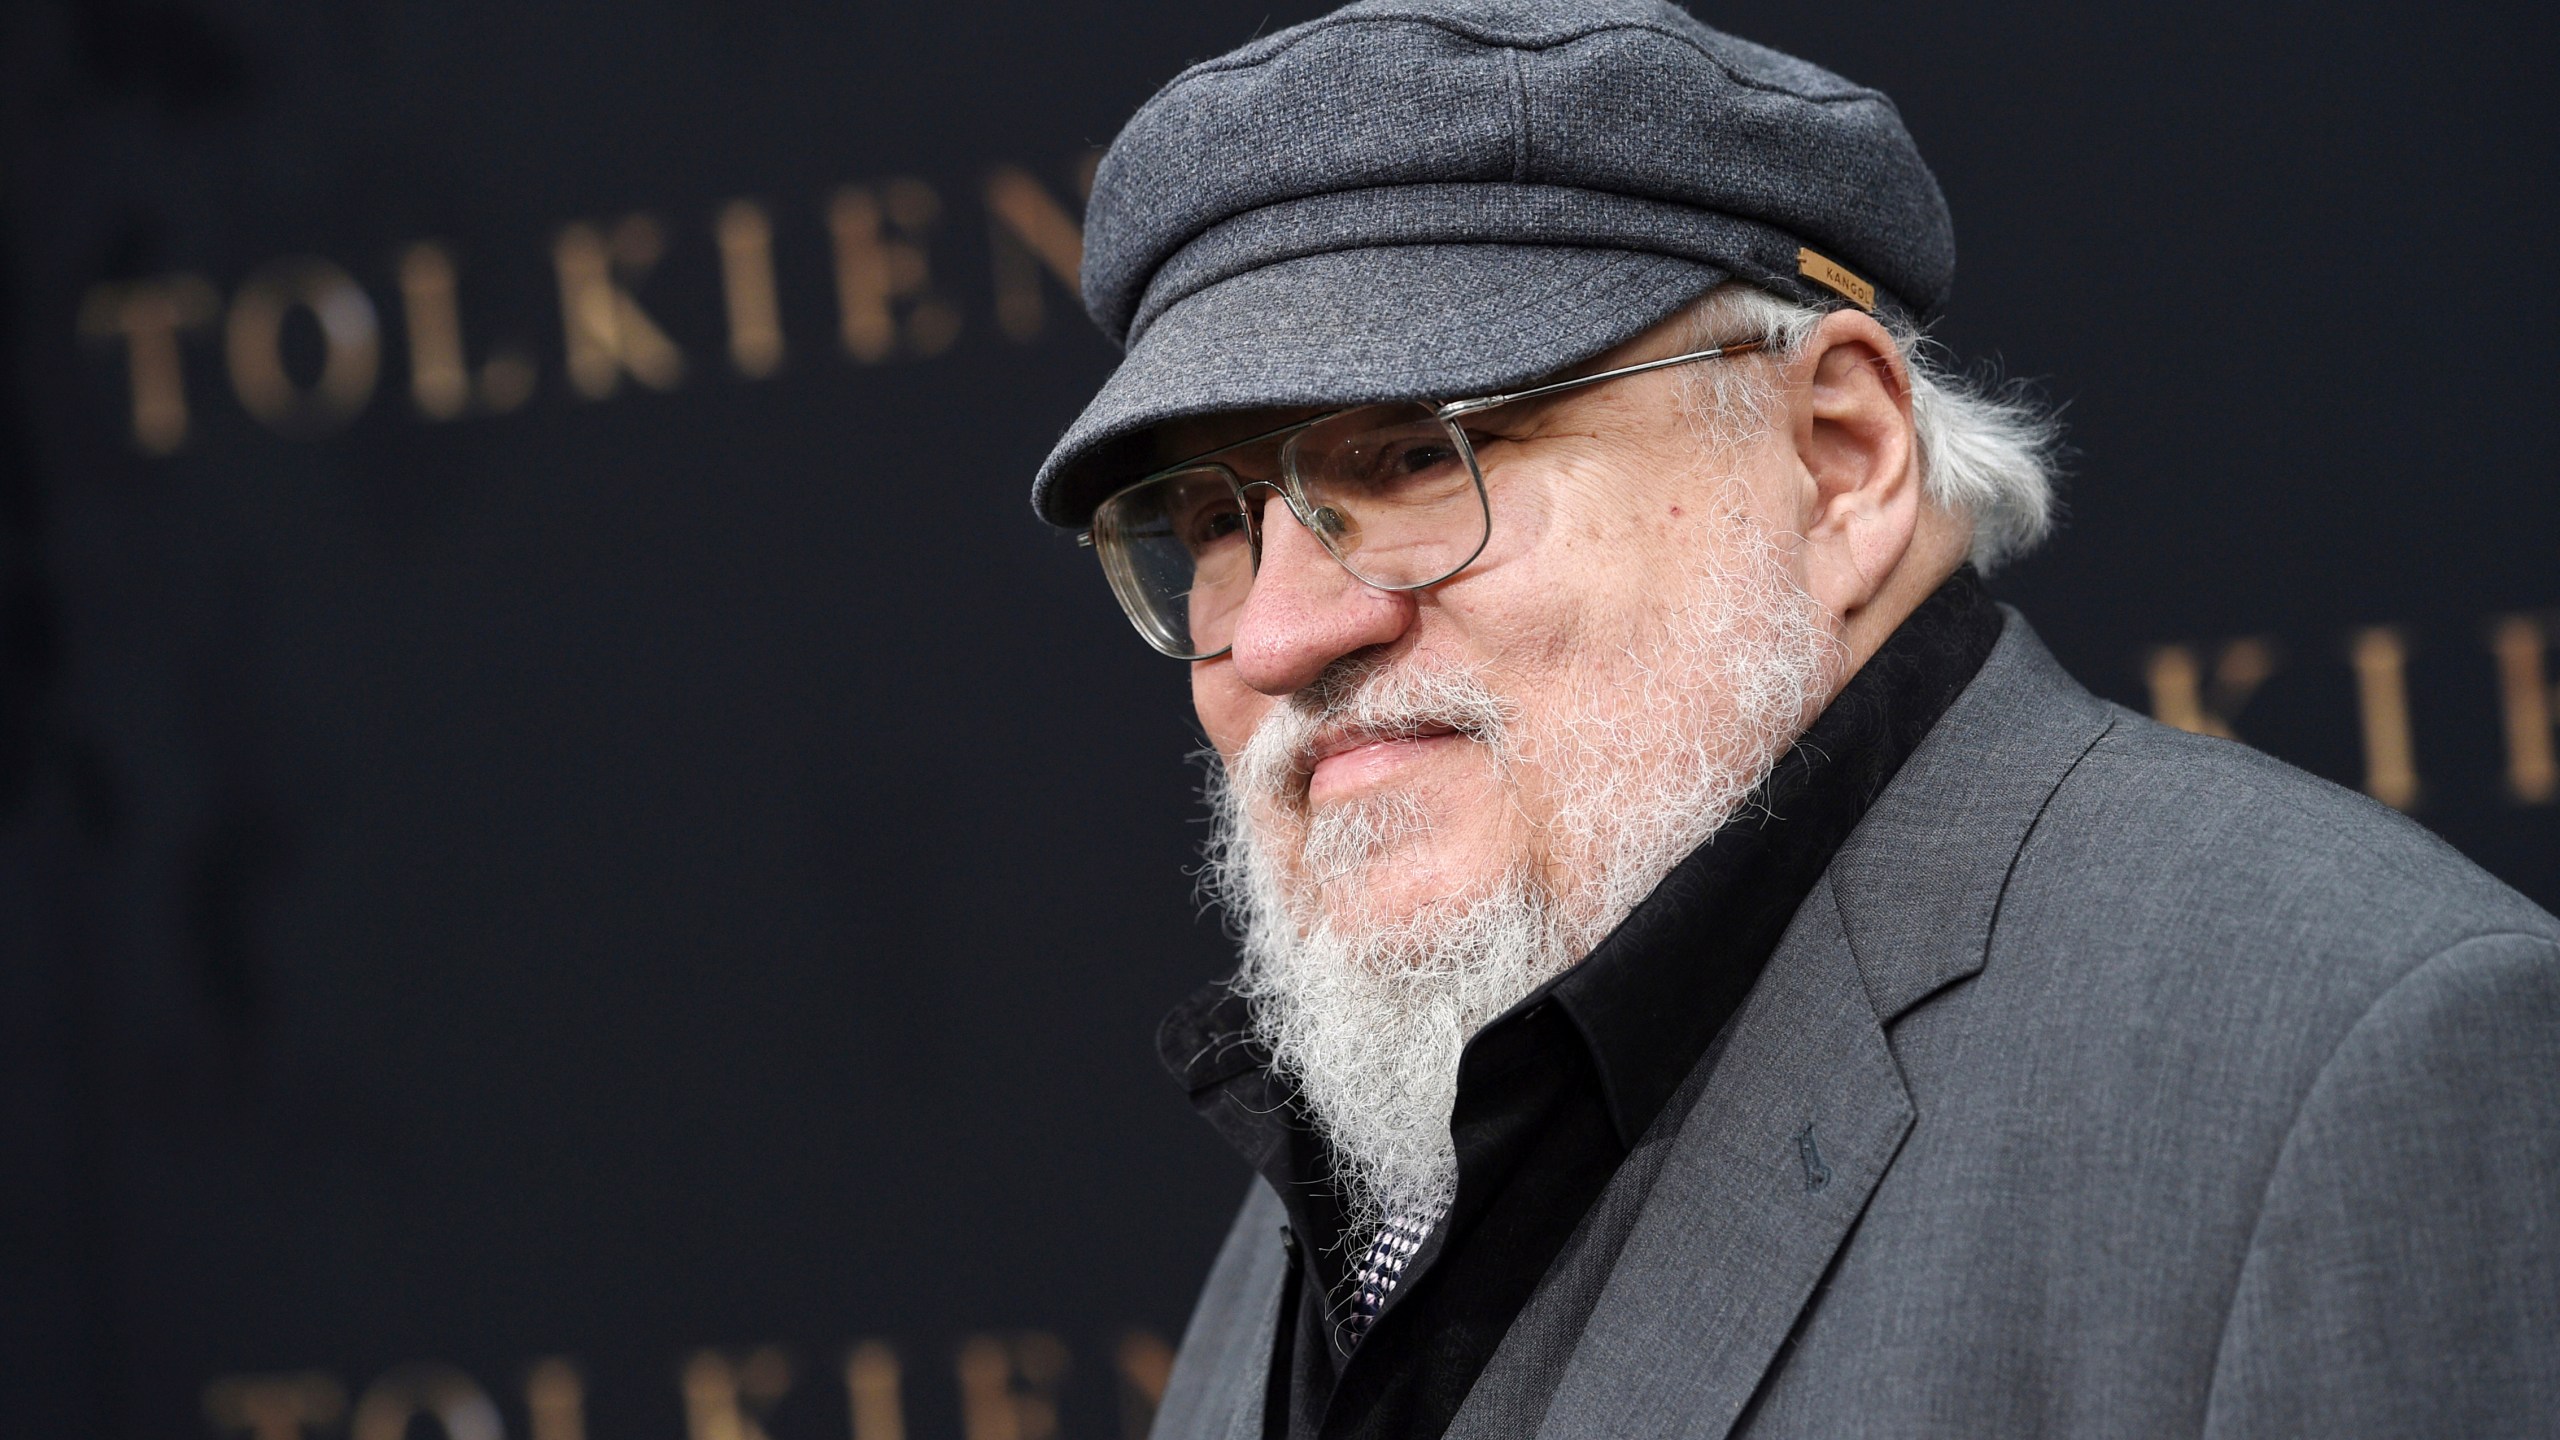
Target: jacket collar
(1918, 884)
(1806, 1110)
(1653, 995)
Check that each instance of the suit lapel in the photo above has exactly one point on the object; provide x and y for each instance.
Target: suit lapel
(1919, 882)
(1804, 1112)
(1806, 1109)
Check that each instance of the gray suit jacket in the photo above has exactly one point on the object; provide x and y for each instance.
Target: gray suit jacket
(2113, 1081)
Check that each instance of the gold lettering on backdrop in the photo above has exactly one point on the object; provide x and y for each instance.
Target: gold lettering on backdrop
(350, 346)
(2530, 705)
(555, 1397)
(2380, 655)
(871, 1392)
(1009, 1386)
(1145, 1363)
(2181, 696)
(1029, 232)
(274, 1407)
(727, 1399)
(608, 334)
(438, 381)
(452, 1399)
(881, 261)
(745, 237)
(147, 315)
(439, 375)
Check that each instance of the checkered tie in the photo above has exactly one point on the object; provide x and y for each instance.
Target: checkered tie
(1383, 1266)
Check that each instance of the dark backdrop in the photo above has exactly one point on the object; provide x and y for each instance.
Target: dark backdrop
(576, 861)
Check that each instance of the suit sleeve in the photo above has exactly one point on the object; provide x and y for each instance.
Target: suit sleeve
(2404, 1275)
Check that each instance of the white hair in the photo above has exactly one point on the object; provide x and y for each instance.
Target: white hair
(1988, 451)
(1668, 732)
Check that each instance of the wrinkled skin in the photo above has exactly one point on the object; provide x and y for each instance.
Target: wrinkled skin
(1598, 499)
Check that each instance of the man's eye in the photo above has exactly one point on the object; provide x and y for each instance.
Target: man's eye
(1208, 527)
(1405, 459)
(1422, 456)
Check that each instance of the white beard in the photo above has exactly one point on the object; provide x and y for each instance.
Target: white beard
(1656, 756)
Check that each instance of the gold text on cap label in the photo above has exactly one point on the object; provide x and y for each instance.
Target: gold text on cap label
(1828, 273)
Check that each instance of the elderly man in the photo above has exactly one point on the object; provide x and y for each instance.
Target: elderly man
(1706, 968)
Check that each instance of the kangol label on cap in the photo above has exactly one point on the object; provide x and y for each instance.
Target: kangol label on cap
(1828, 273)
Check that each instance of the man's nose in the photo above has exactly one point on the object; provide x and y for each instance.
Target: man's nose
(1305, 611)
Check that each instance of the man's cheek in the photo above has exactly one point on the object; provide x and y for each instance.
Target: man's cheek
(1227, 710)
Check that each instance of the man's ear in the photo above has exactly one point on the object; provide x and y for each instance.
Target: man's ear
(1859, 498)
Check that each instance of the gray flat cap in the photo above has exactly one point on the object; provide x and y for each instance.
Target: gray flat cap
(1426, 199)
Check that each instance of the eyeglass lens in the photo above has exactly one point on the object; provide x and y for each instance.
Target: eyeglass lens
(1391, 491)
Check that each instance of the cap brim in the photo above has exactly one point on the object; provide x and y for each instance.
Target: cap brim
(1347, 327)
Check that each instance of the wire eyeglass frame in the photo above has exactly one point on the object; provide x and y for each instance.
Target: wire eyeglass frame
(1291, 491)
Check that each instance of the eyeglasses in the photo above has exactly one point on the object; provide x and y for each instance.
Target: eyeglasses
(1393, 492)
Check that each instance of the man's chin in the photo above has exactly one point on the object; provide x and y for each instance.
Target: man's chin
(1405, 901)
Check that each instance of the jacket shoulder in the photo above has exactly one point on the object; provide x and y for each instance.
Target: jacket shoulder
(2177, 833)
(2203, 1001)
(2395, 1281)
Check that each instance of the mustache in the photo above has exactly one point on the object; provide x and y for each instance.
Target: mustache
(1363, 698)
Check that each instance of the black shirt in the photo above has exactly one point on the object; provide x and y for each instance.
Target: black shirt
(1552, 1095)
